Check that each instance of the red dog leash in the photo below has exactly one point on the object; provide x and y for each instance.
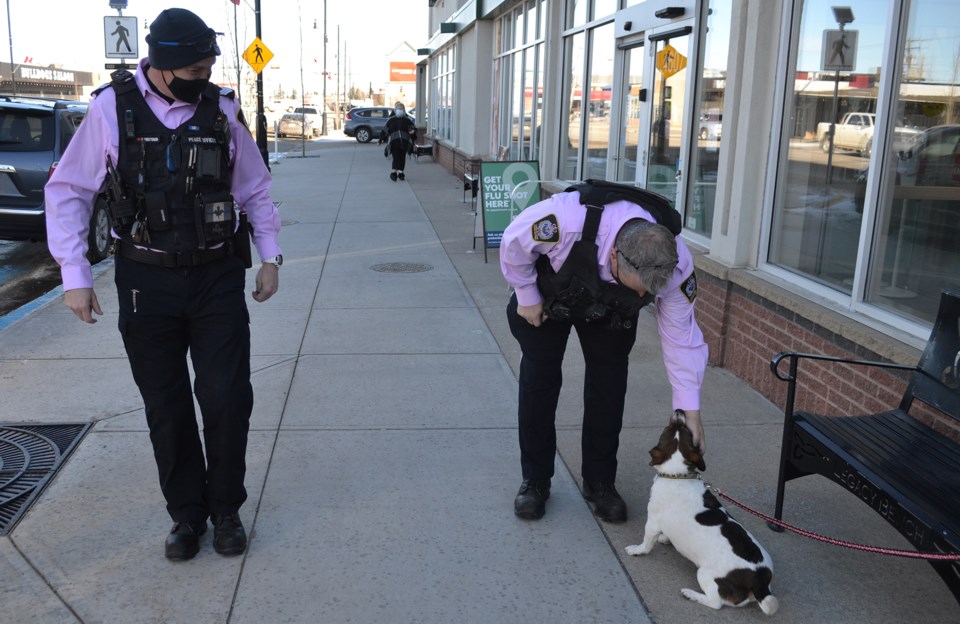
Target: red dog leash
(893, 552)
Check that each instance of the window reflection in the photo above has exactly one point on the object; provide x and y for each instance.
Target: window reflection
(916, 252)
(599, 92)
(709, 129)
(572, 105)
(820, 194)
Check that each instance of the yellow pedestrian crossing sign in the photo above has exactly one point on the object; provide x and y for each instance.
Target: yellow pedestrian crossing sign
(670, 61)
(257, 55)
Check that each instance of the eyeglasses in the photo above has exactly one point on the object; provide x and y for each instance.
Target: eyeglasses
(637, 267)
(203, 46)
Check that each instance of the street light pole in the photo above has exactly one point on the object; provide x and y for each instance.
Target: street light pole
(323, 118)
(13, 77)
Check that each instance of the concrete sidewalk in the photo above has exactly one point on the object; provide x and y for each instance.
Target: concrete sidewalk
(383, 458)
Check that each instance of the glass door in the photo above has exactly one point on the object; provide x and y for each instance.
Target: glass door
(668, 132)
(652, 93)
(632, 96)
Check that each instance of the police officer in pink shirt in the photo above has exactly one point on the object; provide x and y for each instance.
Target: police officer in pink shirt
(170, 155)
(590, 259)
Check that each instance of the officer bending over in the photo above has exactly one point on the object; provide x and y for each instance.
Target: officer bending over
(589, 259)
(170, 155)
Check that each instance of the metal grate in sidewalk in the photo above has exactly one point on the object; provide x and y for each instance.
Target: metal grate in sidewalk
(30, 454)
(401, 267)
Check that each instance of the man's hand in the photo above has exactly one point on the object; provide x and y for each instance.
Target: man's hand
(692, 420)
(82, 301)
(533, 314)
(268, 281)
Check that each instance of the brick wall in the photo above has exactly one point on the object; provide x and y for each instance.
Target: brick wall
(745, 331)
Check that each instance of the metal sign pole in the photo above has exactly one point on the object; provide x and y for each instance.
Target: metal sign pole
(261, 117)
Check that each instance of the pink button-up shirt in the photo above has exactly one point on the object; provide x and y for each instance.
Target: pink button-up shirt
(71, 190)
(525, 239)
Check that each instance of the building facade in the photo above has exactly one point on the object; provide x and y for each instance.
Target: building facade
(812, 149)
(51, 81)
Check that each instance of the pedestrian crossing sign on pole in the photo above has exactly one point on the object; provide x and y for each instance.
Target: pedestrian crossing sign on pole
(670, 61)
(257, 55)
(120, 37)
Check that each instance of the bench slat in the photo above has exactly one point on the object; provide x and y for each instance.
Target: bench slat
(880, 442)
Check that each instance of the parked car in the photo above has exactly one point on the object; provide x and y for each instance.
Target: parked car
(711, 126)
(933, 159)
(365, 124)
(34, 132)
(297, 125)
(855, 132)
(314, 115)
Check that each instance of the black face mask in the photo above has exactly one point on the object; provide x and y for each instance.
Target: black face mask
(187, 90)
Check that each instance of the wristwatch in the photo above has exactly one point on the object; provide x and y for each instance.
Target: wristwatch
(275, 260)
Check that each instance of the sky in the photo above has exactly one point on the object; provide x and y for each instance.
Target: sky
(70, 33)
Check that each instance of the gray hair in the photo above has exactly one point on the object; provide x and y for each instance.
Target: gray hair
(647, 250)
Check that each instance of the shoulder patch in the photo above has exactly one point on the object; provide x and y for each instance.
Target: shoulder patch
(227, 93)
(689, 287)
(546, 230)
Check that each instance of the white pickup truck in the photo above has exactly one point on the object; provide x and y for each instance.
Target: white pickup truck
(855, 132)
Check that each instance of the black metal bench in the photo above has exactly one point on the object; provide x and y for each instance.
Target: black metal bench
(422, 149)
(906, 471)
(470, 179)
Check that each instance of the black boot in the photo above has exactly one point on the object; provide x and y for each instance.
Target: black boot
(183, 542)
(401, 176)
(229, 538)
(393, 176)
(530, 502)
(607, 504)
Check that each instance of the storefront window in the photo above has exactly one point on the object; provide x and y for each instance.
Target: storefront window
(709, 127)
(518, 80)
(597, 114)
(576, 13)
(822, 174)
(443, 67)
(916, 252)
(570, 130)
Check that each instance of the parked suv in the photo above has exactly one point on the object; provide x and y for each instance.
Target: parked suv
(366, 123)
(34, 132)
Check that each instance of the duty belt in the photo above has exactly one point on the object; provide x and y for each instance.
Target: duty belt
(172, 259)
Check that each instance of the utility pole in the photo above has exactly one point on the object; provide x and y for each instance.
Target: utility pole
(261, 118)
(336, 117)
(13, 69)
(323, 111)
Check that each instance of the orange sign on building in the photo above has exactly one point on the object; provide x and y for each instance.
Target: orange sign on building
(401, 71)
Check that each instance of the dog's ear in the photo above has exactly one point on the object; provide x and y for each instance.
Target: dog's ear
(658, 456)
(696, 458)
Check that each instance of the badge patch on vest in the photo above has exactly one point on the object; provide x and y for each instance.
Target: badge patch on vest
(546, 230)
(689, 287)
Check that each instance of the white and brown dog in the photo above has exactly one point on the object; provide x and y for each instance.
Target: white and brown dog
(732, 567)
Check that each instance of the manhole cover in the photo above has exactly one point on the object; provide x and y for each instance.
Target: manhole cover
(402, 267)
(29, 457)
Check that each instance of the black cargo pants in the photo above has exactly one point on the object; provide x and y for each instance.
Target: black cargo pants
(606, 355)
(164, 313)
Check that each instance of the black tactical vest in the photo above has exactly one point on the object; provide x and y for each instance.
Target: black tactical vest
(175, 184)
(576, 290)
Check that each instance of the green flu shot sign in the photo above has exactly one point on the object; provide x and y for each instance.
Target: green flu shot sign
(506, 188)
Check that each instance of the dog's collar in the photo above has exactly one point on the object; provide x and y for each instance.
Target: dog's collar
(685, 475)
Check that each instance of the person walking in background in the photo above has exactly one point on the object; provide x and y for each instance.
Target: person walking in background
(399, 133)
(174, 157)
(589, 259)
